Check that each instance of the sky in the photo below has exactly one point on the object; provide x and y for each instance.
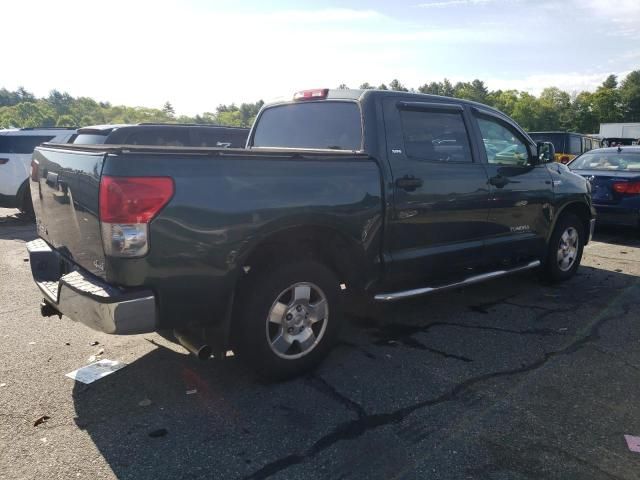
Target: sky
(198, 54)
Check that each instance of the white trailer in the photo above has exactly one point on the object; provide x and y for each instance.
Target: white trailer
(620, 130)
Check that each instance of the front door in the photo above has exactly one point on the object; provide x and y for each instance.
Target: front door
(440, 204)
(521, 193)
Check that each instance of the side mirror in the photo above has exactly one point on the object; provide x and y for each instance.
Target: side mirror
(546, 152)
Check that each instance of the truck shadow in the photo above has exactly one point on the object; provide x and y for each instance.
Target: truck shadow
(623, 236)
(147, 421)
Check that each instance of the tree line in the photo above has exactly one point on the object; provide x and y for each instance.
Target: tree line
(553, 109)
(20, 108)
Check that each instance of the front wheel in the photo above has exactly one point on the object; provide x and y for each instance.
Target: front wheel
(565, 248)
(289, 317)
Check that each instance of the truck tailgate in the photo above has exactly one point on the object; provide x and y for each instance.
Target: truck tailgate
(65, 187)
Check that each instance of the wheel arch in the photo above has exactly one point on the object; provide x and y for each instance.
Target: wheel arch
(327, 245)
(580, 210)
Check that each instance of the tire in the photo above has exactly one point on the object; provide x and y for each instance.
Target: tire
(25, 205)
(565, 249)
(289, 318)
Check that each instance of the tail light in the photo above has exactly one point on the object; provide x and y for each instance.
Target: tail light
(311, 94)
(565, 159)
(127, 205)
(627, 188)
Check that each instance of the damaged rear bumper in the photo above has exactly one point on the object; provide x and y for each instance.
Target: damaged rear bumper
(87, 299)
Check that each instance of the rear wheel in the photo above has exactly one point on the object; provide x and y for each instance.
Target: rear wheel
(289, 317)
(565, 248)
(25, 205)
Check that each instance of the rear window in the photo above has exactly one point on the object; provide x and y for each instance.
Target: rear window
(325, 124)
(22, 143)
(206, 137)
(607, 161)
(174, 137)
(90, 139)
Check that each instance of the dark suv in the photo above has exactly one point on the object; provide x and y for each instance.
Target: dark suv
(169, 134)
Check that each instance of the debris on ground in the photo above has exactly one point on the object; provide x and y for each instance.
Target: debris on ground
(161, 432)
(633, 443)
(192, 391)
(3, 385)
(94, 343)
(96, 356)
(145, 402)
(41, 420)
(32, 343)
(96, 371)
(67, 343)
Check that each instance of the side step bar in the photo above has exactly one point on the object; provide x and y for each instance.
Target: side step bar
(390, 297)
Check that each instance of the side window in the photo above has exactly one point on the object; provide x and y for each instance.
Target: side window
(503, 145)
(435, 136)
(575, 145)
(21, 143)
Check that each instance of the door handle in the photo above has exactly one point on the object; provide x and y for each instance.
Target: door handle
(409, 183)
(499, 181)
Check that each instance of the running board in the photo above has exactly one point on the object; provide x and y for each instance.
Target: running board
(390, 297)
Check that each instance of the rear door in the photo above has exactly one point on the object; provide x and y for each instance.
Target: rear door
(440, 206)
(521, 192)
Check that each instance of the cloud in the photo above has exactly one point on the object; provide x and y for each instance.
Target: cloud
(570, 82)
(451, 3)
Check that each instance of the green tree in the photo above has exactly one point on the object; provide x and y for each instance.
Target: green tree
(396, 85)
(611, 82)
(366, 86)
(607, 104)
(168, 109)
(630, 96)
(66, 121)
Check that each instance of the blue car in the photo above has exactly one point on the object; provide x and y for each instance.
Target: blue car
(614, 174)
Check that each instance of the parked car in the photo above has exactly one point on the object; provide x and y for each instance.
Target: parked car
(342, 195)
(568, 145)
(168, 134)
(614, 175)
(16, 148)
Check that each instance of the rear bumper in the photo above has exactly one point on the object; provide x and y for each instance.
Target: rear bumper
(88, 300)
(614, 215)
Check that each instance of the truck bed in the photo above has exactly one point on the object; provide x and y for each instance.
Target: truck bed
(225, 201)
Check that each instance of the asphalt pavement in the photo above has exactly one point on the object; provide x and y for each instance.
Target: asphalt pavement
(511, 379)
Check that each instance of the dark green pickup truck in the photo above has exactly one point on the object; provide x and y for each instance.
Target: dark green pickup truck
(340, 195)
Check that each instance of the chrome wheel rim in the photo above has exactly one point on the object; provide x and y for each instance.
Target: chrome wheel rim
(568, 249)
(297, 320)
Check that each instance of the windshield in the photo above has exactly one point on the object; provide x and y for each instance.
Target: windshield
(623, 161)
(325, 124)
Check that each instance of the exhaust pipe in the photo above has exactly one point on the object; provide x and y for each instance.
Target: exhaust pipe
(194, 343)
